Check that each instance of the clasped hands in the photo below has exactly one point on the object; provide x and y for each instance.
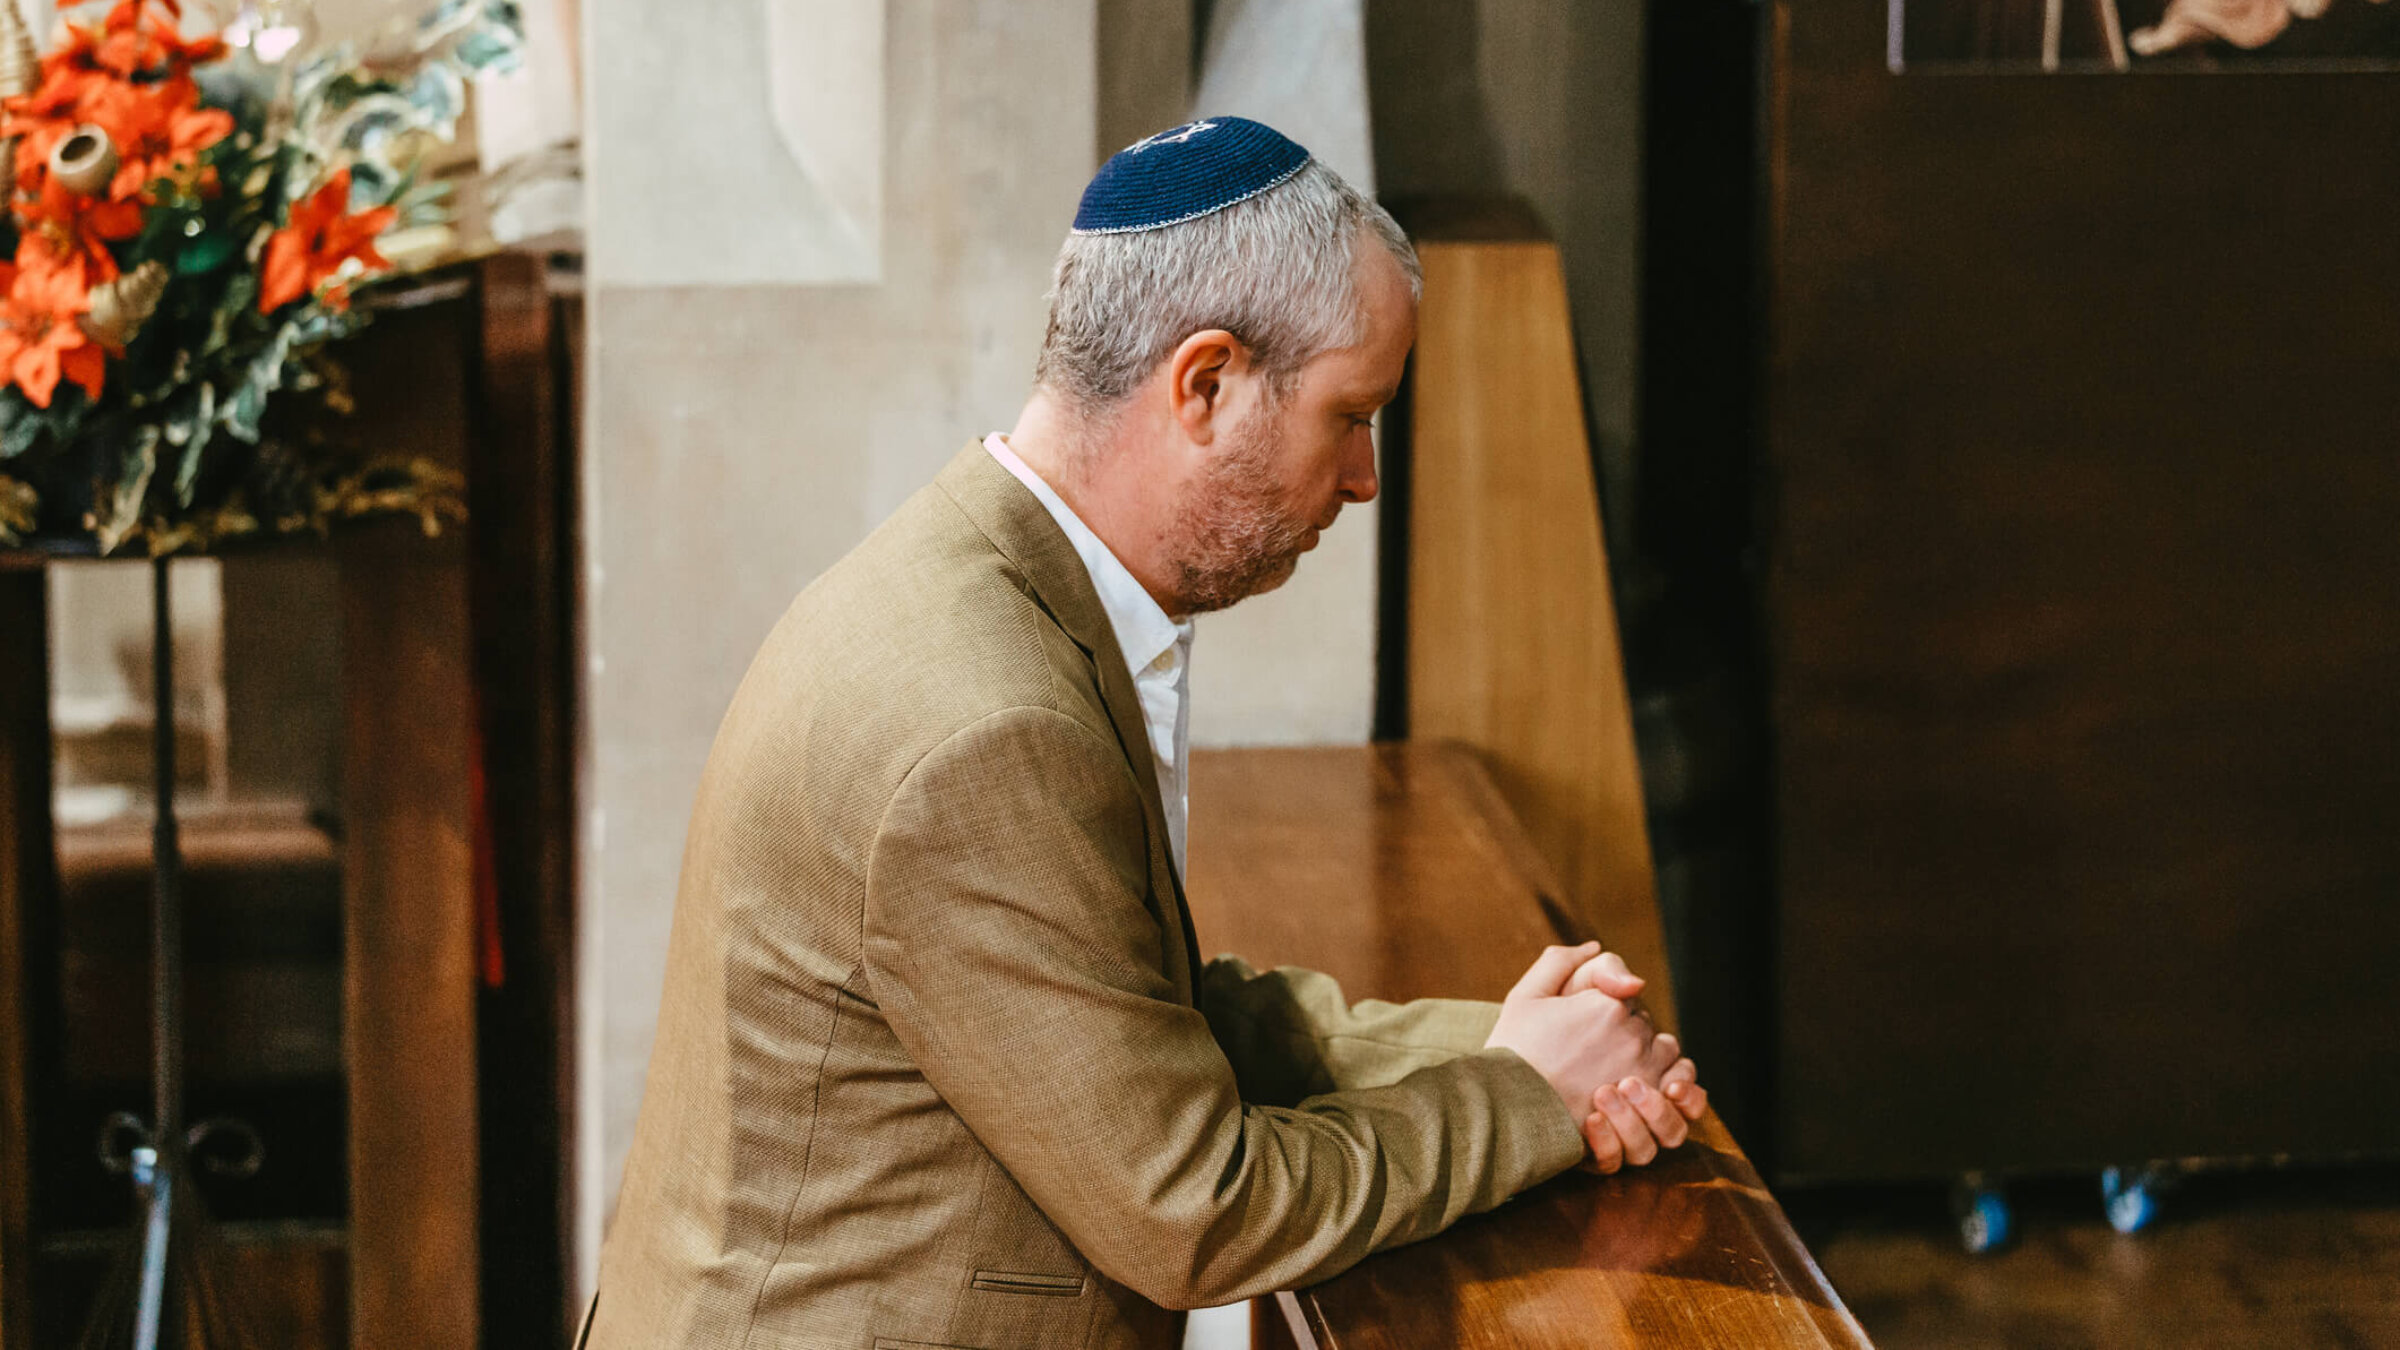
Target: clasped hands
(1574, 1019)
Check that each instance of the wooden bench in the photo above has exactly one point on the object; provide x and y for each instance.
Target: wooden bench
(1399, 870)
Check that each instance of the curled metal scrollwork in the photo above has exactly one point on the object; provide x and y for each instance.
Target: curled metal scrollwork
(226, 1146)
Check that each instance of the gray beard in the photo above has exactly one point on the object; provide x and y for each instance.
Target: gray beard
(1233, 539)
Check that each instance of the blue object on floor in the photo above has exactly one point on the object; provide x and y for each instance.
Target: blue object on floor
(2131, 1197)
(1985, 1222)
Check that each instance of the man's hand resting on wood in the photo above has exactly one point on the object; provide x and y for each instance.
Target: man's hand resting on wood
(1576, 1019)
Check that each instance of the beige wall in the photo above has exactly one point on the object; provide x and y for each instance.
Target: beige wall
(1296, 666)
(1541, 99)
(744, 433)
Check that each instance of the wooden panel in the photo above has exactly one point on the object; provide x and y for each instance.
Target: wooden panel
(1396, 868)
(286, 1283)
(291, 1283)
(2087, 655)
(1414, 887)
(521, 507)
(408, 868)
(409, 946)
(1690, 1252)
(1512, 630)
(262, 957)
(28, 886)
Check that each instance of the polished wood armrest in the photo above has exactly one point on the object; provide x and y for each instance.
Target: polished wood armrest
(1397, 870)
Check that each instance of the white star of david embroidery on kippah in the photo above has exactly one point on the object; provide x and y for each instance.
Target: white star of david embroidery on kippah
(1175, 137)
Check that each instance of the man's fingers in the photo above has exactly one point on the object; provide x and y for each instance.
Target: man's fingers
(1689, 1097)
(1663, 1052)
(1666, 1124)
(1681, 1083)
(1607, 973)
(1608, 1152)
(1550, 970)
(1632, 1131)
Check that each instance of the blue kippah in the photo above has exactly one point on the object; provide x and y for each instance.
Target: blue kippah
(1186, 173)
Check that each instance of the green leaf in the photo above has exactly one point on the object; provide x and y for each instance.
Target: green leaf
(239, 302)
(26, 423)
(192, 431)
(119, 507)
(20, 510)
(206, 253)
(247, 408)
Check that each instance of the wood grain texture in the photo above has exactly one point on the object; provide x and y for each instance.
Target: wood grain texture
(1382, 861)
(287, 1282)
(521, 509)
(292, 1281)
(409, 933)
(28, 890)
(1691, 1251)
(1512, 632)
(409, 947)
(2082, 604)
(1392, 868)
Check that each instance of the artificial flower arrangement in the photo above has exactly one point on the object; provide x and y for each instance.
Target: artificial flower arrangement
(191, 217)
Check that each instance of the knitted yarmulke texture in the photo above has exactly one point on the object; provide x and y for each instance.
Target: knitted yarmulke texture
(1186, 173)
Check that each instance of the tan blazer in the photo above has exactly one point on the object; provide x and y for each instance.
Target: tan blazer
(937, 1064)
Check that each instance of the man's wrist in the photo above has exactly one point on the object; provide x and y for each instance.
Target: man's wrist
(1533, 1105)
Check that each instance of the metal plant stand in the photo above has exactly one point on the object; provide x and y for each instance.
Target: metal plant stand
(163, 1290)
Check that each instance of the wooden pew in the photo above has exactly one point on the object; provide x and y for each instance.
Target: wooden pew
(1400, 871)
(1512, 625)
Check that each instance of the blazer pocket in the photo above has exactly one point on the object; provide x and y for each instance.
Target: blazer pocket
(1018, 1282)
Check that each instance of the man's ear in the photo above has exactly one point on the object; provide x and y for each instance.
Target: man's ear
(1196, 375)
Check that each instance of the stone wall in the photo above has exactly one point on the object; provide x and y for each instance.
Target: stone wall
(777, 361)
(1541, 99)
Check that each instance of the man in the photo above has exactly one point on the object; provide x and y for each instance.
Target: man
(939, 1063)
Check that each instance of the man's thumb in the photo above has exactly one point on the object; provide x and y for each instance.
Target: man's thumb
(1550, 970)
(1607, 973)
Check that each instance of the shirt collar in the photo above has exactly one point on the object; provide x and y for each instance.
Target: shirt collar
(1143, 630)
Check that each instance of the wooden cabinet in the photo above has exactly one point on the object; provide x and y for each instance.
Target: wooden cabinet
(384, 993)
(2083, 610)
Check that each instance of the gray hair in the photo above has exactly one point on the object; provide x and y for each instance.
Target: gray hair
(1274, 270)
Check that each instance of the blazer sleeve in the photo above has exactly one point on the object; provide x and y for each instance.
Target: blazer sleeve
(1010, 948)
(1290, 1034)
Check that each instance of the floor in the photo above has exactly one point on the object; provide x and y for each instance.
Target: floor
(2287, 1260)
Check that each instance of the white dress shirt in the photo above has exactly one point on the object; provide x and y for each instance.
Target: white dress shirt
(1158, 650)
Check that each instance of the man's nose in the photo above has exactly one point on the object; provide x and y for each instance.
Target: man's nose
(1358, 470)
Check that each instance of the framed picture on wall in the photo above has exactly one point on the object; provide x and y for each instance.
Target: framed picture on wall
(2124, 36)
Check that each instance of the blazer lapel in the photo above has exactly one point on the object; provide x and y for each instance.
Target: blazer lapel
(1021, 528)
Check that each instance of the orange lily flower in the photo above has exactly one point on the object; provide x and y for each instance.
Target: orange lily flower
(78, 51)
(160, 131)
(132, 41)
(39, 338)
(310, 250)
(150, 47)
(69, 93)
(157, 122)
(71, 225)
